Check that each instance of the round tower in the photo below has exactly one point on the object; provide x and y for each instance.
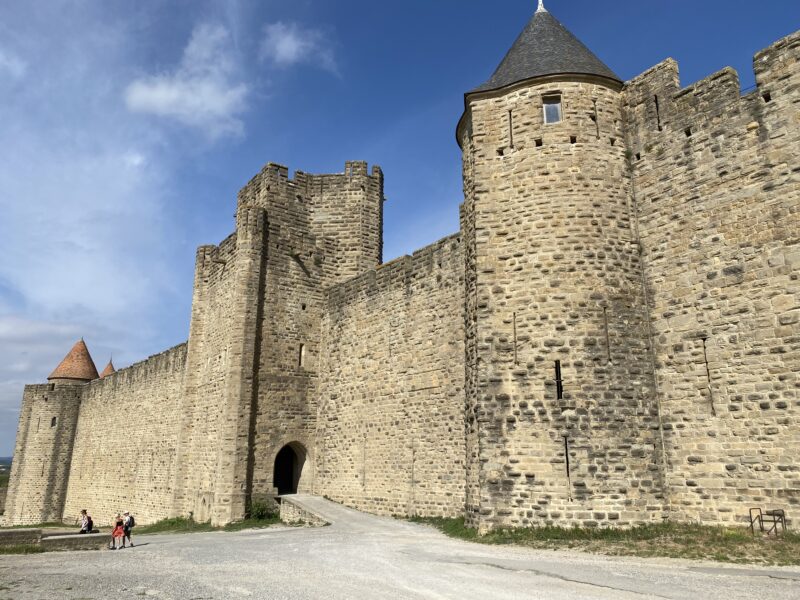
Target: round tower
(561, 422)
(43, 453)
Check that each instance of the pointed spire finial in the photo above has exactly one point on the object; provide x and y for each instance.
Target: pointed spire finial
(541, 7)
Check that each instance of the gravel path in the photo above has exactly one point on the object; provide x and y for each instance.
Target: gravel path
(366, 557)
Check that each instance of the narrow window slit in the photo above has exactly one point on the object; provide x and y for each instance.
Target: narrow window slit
(53, 421)
(608, 337)
(566, 467)
(301, 359)
(514, 320)
(559, 382)
(595, 118)
(638, 156)
(688, 132)
(613, 141)
(658, 114)
(510, 130)
(708, 379)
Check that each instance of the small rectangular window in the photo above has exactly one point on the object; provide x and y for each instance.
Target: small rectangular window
(301, 362)
(552, 109)
(53, 421)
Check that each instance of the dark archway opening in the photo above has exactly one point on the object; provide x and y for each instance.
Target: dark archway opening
(288, 468)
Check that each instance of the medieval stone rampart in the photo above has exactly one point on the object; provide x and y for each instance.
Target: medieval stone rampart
(391, 399)
(124, 450)
(612, 338)
(717, 191)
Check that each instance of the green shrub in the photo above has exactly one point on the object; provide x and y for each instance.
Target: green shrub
(261, 510)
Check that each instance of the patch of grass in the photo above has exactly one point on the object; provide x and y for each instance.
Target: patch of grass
(253, 523)
(174, 525)
(183, 525)
(22, 549)
(672, 540)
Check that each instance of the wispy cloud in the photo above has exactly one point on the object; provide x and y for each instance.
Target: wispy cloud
(87, 243)
(11, 64)
(289, 44)
(202, 92)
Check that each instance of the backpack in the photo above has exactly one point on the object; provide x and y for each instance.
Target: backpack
(131, 522)
(89, 524)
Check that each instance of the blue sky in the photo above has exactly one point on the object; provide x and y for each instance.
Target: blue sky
(128, 128)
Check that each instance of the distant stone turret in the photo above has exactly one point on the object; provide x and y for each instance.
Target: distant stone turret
(109, 370)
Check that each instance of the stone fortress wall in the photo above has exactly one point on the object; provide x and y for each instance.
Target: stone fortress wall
(646, 246)
(391, 396)
(717, 193)
(124, 450)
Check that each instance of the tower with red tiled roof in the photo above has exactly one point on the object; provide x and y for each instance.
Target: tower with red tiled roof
(109, 370)
(77, 366)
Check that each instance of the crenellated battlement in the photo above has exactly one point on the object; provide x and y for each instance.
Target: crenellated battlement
(659, 111)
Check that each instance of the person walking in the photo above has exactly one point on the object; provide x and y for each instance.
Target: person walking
(87, 525)
(128, 523)
(118, 534)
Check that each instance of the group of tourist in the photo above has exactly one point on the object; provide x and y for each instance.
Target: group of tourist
(123, 524)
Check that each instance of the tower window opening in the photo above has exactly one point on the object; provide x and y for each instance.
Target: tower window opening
(559, 381)
(638, 156)
(538, 142)
(301, 359)
(613, 141)
(767, 97)
(53, 421)
(510, 129)
(573, 139)
(595, 118)
(688, 132)
(552, 109)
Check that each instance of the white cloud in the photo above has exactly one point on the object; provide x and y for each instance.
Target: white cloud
(88, 246)
(289, 44)
(11, 64)
(203, 92)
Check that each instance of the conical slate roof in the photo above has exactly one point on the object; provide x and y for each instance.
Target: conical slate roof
(545, 47)
(109, 370)
(78, 364)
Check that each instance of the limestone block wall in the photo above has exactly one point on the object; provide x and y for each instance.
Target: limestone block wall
(390, 436)
(125, 443)
(288, 327)
(717, 186)
(208, 364)
(554, 287)
(346, 211)
(41, 467)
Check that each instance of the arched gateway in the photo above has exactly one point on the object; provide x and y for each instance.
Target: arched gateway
(288, 468)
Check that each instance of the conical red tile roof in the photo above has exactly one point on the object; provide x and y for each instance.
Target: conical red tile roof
(78, 364)
(109, 370)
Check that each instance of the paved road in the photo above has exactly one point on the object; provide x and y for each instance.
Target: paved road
(371, 558)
